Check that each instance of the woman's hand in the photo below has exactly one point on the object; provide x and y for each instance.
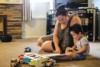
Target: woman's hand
(58, 50)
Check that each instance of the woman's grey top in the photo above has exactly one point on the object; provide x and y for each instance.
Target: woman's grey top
(64, 37)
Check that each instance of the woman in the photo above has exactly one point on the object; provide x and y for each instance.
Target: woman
(61, 37)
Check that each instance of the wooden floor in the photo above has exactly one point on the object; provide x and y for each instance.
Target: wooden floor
(9, 50)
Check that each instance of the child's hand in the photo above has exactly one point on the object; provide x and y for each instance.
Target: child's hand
(73, 50)
(70, 50)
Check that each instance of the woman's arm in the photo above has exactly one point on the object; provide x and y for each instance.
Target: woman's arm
(55, 39)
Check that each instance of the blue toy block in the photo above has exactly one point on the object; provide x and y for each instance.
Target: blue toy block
(26, 60)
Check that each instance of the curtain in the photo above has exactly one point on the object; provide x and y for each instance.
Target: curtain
(27, 13)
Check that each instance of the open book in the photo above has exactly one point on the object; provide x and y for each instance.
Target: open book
(53, 55)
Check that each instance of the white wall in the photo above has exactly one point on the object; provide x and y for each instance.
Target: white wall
(35, 28)
(90, 3)
(39, 18)
(40, 9)
(96, 3)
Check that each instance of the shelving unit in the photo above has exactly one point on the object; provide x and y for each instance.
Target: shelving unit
(50, 21)
(88, 18)
(14, 18)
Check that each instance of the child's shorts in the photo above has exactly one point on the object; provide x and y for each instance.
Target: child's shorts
(79, 57)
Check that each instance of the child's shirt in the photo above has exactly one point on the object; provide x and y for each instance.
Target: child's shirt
(80, 43)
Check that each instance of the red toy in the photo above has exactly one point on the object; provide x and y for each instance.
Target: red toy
(20, 58)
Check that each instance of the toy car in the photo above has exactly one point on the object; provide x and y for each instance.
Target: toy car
(27, 49)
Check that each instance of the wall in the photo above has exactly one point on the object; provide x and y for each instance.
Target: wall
(90, 3)
(61, 1)
(40, 9)
(13, 10)
(11, 1)
(34, 29)
(31, 29)
(96, 3)
(98, 24)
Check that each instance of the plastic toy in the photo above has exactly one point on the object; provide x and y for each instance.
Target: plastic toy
(38, 62)
(27, 49)
(32, 60)
(20, 58)
(14, 63)
(26, 60)
(50, 63)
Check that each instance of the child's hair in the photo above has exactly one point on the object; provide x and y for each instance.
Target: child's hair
(61, 10)
(77, 28)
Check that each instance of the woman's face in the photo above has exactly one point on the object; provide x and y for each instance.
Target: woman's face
(62, 19)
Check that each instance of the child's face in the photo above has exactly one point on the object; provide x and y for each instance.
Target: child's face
(74, 35)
